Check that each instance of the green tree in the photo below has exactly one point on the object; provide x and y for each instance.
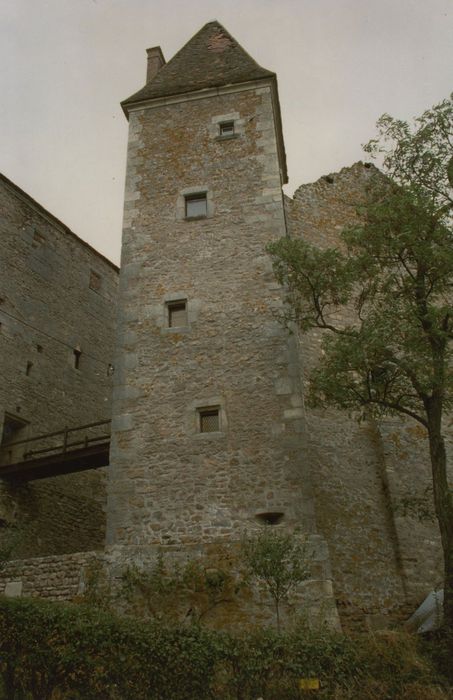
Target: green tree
(392, 276)
(277, 559)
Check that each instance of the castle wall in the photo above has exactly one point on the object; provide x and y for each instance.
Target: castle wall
(222, 357)
(103, 576)
(57, 295)
(169, 483)
(382, 561)
(58, 577)
(408, 474)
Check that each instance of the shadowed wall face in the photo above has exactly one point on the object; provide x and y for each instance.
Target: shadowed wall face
(58, 298)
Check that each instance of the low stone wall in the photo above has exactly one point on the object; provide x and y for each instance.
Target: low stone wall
(56, 577)
(100, 574)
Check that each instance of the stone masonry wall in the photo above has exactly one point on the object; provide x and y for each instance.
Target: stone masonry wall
(169, 483)
(101, 576)
(59, 577)
(56, 295)
(408, 474)
(382, 562)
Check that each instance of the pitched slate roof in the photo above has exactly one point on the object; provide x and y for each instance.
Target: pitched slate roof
(209, 59)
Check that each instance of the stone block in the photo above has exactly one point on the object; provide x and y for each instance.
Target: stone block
(13, 589)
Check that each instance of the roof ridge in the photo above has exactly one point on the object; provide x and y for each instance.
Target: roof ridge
(167, 63)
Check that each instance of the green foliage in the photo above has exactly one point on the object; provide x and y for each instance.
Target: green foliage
(151, 591)
(277, 559)
(10, 541)
(421, 158)
(383, 297)
(54, 651)
(173, 592)
(384, 294)
(89, 654)
(98, 590)
(418, 507)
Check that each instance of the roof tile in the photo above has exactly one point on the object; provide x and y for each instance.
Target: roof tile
(209, 59)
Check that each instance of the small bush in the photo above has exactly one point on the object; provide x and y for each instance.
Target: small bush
(279, 560)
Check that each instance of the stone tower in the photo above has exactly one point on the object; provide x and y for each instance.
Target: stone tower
(208, 418)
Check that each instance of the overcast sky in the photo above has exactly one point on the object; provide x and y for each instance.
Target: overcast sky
(66, 64)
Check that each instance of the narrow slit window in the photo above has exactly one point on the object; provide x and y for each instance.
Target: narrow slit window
(77, 356)
(177, 314)
(226, 128)
(95, 282)
(28, 368)
(196, 205)
(209, 420)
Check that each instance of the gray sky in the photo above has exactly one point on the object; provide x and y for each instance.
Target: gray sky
(68, 63)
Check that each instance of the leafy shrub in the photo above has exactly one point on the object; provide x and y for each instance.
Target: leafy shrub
(55, 651)
(173, 592)
(11, 538)
(90, 654)
(277, 559)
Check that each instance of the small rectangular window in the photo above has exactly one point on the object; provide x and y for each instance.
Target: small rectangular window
(177, 313)
(196, 205)
(95, 281)
(226, 128)
(209, 420)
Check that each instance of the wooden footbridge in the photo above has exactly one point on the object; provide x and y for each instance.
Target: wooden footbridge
(52, 454)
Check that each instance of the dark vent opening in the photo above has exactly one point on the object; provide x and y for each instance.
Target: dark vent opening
(270, 517)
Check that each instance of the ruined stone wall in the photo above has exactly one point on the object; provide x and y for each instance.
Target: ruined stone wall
(382, 562)
(57, 295)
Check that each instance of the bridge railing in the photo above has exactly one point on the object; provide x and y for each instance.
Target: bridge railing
(56, 442)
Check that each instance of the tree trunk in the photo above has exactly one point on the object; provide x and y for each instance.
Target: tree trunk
(443, 501)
